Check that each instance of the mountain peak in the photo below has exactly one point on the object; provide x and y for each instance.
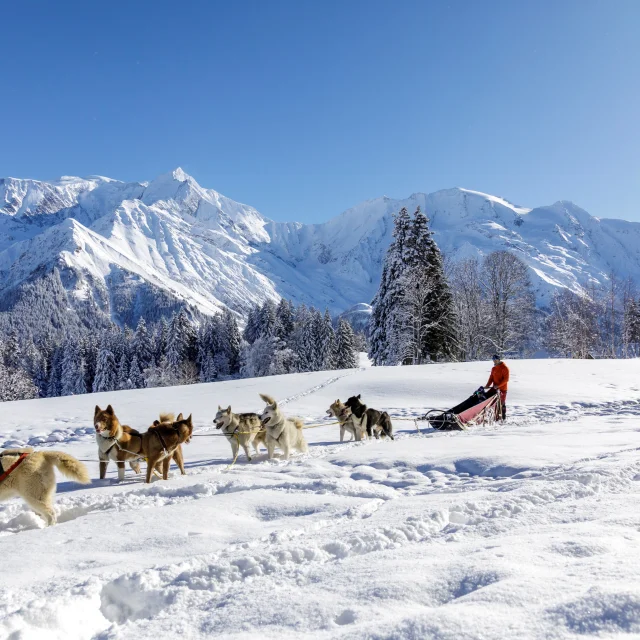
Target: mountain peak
(180, 175)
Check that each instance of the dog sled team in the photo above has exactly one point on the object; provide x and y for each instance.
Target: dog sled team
(30, 474)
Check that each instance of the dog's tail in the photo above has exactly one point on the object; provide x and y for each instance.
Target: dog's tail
(267, 399)
(68, 466)
(385, 423)
(299, 423)
(167, 417)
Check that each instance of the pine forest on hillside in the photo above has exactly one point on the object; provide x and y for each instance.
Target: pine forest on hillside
(425, 310)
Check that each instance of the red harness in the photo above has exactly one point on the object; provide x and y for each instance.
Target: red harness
(12, 468)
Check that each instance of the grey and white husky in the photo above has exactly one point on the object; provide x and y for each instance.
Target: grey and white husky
(282, 432)
(241, 429)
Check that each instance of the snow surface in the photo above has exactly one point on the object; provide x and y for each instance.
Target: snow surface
(200, 246)
(527, 530)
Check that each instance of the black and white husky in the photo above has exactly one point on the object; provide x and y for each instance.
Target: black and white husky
(376, 423)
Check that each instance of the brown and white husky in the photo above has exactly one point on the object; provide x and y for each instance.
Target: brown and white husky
(116, 441)
(337, 410)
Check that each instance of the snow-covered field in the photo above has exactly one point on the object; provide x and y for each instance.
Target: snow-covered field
(526, 530)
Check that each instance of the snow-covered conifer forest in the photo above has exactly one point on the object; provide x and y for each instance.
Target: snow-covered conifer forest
(73, 324)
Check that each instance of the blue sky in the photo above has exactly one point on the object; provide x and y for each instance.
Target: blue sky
(305, 108)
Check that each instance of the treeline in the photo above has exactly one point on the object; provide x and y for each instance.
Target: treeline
(599, 322)
(428, 311)
(184, 349)
(286, 339)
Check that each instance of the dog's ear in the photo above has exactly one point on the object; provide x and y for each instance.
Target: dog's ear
(96, 412)
(229, 409)
(268, 400)
(359, 396)
(180, 417)
(156, 423)
(188, 420)
(219, 408)
(109, 410)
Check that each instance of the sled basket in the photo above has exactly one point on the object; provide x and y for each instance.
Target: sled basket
(480, 408)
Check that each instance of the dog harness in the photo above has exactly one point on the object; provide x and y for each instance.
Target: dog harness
(163, 443)
(13, 467)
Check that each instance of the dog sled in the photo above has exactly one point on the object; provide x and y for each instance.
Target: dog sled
(482, 407)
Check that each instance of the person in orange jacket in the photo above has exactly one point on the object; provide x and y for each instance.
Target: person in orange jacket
(499, 379)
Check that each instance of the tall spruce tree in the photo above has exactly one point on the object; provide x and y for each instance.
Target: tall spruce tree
(143, 345)
(326, 342)
(122, 376)
(106, 372)
(346, 352)
(425, 269)
(284, 314)
(251, 330)
(232, 340)
(135, 373)
(384, 304)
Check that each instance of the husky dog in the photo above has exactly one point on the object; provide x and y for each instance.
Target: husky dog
(240, 429)
(116, 442)
(281, 431)
(34, 479)
(176, 456)
(337, 410)
(375, 422)
(160, 442)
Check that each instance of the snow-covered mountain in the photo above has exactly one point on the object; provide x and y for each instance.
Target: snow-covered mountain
(195, 244)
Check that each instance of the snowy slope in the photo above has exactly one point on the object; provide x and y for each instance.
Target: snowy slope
(526, 530)
(198, 245)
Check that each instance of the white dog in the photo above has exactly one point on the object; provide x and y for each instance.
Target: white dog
(34, 480)
(282, 432)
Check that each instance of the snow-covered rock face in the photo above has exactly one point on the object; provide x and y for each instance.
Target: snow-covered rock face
(200, 246)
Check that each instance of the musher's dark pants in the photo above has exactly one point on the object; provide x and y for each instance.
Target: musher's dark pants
(503, 402)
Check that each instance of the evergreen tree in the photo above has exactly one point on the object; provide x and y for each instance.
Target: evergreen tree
(160, 374)
(122, 376)
(326, 343)
(106, 372)
(72, 371)
(135, 374)
(299, 340)
(15, 384)
(208, 371)
(346, 352)
(231, 341)
(12, 351)
(181, 341)
(162, 339)
(53, 383)
(251, 330)
(433, 319)
(36, 366)
(284, 314)
(313, 337)
(389, 291)
(268, 323)
(143, 345)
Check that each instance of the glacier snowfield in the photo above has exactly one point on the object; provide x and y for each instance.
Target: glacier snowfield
(111, 239)
(528, 530)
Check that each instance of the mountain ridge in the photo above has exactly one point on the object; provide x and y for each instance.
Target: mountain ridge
(213, 252)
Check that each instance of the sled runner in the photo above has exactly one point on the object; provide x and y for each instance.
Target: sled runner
(480, 408)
